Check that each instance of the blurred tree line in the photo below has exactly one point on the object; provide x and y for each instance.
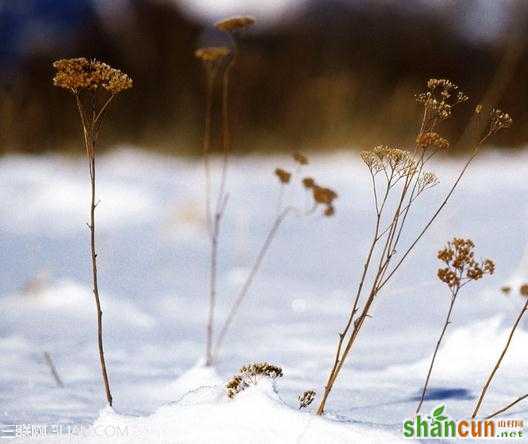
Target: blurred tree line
(328, 77)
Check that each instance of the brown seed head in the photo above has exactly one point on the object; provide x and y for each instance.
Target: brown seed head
(329, 211)
(323, 195)
(300, 158)
(461, 266)
(235, 23)
(506, 289)
(499, 120)
(523, 290)
(432, 140)
(81, 74)
(440, 98)
(308, 183)
(283, 175)
(212, 54)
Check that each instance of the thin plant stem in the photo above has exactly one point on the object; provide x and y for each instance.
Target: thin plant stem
(498, 412)
(439, 342)
(53, 370)
(220, 207)
(499, 361)
(249, 280)
(343, 333)
(93, 206)
(207, 147)
(90, 140)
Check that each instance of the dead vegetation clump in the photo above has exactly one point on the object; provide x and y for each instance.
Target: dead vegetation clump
(250, 375)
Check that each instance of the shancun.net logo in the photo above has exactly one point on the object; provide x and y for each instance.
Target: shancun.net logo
(438, 425)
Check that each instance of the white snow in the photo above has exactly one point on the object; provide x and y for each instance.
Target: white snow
(153, 257)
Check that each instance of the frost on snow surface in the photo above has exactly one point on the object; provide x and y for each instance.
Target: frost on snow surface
(153, 258)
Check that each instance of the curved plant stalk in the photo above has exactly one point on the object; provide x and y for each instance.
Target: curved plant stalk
(499, 361)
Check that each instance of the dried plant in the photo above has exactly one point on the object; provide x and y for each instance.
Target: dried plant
(250, 375)
(321, 196)
(509, 406)
(215, 59)
(306, 399)
(94, 85)
(523, 291)
(401, 177)
(460, 268)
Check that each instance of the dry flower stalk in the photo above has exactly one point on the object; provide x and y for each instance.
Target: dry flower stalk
(523, 291)
(214, 58)
(401, 176)
(90, 81)
(460, 269)
(283, 211)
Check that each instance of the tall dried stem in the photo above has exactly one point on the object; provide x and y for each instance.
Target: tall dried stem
(92, 78)
(220, 206)
(90, 137)
(499, 361)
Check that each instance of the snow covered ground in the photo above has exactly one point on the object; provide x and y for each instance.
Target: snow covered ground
(153, 266)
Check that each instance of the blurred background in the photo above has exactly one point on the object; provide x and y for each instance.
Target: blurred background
(314, 74)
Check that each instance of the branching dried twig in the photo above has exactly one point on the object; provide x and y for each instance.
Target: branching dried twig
(404, 176)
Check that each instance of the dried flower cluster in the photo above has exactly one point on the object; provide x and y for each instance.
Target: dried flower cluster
(426, 180)
(300, 158)
(432, 140)
(523, 290)
(212, 54)
(82, 74)
(233, 24)
(462, 267)
(250, 375)
(506, 289)
(499, 120)
(283, 175)
(440, 98)
(321, 195)
(392, 161)
(306, 399)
